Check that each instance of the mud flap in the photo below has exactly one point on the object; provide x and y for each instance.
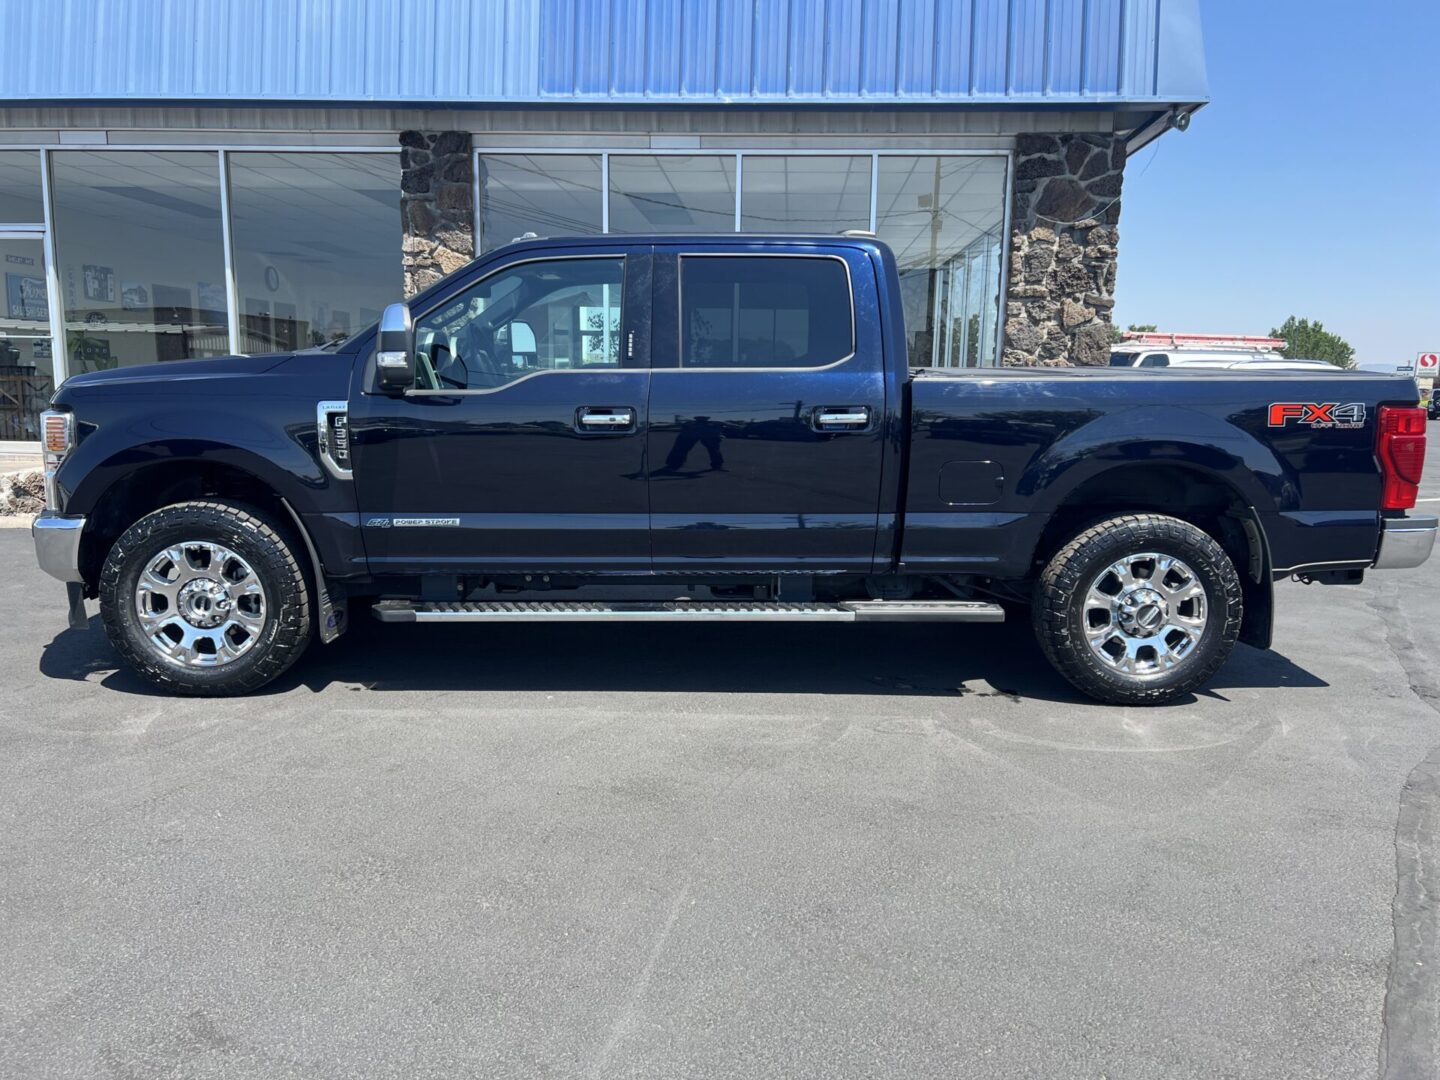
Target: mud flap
(330, 601)
(75, 595)
(1257, 628)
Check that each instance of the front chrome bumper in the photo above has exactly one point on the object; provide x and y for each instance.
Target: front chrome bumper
(57, 545)
(1405, 542)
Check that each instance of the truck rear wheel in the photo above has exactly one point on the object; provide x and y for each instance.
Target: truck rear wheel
(205, 598)
(1138, 609)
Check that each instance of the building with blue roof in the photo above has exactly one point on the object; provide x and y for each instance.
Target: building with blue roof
(198, 177)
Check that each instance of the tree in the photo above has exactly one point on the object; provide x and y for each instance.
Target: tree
(1117, 335)
(1311, 341)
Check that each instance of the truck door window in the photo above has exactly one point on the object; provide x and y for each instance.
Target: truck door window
(765, 312)
(1156, 360)
(548, 315)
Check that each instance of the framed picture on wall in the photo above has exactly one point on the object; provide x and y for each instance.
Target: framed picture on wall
(99, 283)
(92, 353)
(134, 296)
(25, 297)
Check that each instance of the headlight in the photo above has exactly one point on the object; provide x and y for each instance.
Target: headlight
(58, 438)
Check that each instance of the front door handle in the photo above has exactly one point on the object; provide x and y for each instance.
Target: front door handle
(592, 419)
(842, 418)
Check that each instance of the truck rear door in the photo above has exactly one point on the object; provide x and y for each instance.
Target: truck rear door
(767, 408)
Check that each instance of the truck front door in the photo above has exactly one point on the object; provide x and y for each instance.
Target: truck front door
(767, 408)
(521, 446)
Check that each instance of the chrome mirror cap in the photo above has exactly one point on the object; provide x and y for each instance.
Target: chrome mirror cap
(395, 350)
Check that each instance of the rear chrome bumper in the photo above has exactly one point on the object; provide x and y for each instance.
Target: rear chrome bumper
(1405, 542)
(57, 545)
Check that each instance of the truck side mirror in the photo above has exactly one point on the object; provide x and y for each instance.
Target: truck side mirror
(395, 350)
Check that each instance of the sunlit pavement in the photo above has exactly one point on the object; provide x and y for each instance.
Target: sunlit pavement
(723, 851)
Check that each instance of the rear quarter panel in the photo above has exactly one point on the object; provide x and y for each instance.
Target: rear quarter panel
(995, 453)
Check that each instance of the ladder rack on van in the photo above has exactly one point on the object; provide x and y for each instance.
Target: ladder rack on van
(1204, 341)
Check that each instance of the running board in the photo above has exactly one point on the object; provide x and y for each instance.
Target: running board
(975, 611)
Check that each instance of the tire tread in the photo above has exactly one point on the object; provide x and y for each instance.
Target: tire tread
(1062, 577)
(292, 629)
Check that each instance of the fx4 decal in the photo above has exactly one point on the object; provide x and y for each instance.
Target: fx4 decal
(1326, 414)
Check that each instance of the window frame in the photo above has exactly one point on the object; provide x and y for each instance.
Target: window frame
(681, 256)
(625, 259)
(999, 147)
(578, 144)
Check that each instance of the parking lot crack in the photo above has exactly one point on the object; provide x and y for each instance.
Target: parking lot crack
(1410, 1025)
(1410, 1021)
(630, 1010)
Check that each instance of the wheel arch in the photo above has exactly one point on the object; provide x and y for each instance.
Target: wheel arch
(1203, 497)
(134, 490)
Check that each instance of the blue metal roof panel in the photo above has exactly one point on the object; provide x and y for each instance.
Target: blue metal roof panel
(697, 52)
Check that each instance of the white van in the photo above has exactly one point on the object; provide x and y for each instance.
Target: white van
(1149, 350)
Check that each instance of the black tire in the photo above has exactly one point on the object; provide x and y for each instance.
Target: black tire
(1060, 617)
(286, 628)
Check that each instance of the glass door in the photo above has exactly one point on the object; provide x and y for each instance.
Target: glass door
(27, 358)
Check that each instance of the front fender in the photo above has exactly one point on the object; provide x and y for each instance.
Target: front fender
(289, 471)
(261, 423)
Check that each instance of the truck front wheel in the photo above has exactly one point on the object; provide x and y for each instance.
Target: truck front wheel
(1138, 609)
(205, 598)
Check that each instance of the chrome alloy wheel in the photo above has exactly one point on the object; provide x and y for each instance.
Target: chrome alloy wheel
(1145, 614)
(200, 604)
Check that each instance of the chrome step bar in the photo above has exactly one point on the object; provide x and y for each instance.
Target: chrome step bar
(975, 611)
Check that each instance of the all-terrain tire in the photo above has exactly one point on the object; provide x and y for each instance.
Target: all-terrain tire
(281, 639)
(1059, 614)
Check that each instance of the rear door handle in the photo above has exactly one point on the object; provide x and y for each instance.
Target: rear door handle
(593, 419)
(842, 418)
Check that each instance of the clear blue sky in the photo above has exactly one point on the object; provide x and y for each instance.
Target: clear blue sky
(1310, 185)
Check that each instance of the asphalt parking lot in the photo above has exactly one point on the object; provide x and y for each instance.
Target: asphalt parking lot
(724, 852)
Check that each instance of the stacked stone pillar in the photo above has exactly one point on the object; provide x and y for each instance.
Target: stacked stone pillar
(1063, 245)
(437, 205)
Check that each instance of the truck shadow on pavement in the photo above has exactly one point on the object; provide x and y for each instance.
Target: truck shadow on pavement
(918, 659)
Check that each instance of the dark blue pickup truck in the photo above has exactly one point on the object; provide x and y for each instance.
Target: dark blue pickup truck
(708, 427)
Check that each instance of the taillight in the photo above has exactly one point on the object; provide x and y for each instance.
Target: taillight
(1401, 450)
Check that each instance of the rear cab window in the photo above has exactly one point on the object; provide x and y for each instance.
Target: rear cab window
(765, 311)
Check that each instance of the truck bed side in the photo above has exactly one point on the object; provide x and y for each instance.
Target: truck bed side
(996, 457)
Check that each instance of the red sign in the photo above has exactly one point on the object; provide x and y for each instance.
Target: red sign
(1427, 363)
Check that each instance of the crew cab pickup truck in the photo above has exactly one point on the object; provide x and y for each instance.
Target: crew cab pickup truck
(626, 429)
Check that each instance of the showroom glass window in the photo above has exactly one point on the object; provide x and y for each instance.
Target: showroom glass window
(27, 363)
(316, 239)
(20, 199)
(672, 193)
(139, 243)
(943, 217)
(544, 194)
(804, 194)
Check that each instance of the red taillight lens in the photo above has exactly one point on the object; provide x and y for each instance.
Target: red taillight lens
(1401, 450)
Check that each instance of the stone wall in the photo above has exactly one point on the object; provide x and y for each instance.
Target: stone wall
(437, 205)
(1063, 238)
